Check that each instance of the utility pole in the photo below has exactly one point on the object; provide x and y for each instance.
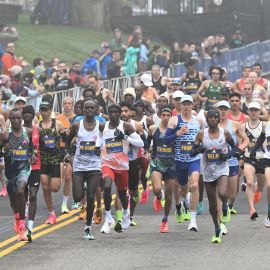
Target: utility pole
(263, 36)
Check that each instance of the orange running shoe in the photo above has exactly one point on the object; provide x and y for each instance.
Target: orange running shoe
(23, 234)
(257, 196)
(16, 226)
(51, 219)
(157, 204)
(164, 227)
(3, 191)
(98, 216)
(82, 215)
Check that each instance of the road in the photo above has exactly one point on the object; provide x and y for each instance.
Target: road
(62, 246)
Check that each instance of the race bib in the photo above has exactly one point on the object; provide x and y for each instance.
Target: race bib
(164, 151)
(49, 142)
(87, 148)
(20, 154)
(186, 148)
(191, 89)
(113, 146)
(212, 156)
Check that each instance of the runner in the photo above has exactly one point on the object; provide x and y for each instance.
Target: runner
(49, 142)
(162, 166)
(235, 114)
(183, 129)
(159, 82)
(257, 67)
(213, 142)
(240, 82)
(253, 165)
(19, 154)
(87, 161)
(117, 136)
(28, 115)
(66, 170)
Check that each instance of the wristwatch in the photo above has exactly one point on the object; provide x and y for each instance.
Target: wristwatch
(126, 137)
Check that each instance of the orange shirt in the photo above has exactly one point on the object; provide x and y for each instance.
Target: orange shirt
(149, 95)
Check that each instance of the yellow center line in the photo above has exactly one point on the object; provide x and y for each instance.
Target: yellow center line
(69, 217)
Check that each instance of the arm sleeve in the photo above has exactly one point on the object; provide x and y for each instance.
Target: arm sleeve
(135, 140)
(170, 135)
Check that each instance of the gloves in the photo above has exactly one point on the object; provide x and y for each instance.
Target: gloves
(97, 151)
(224, 157)
(119, 135)
(197, 149)
(252, 153)
(237, 152)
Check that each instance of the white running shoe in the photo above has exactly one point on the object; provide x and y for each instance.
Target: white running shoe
(192, 226)
(223, 229)
(125, 222)
(187, 200)
(108, 224)
(266, 222)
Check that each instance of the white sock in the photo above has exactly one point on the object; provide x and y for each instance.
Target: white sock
(125, 212)
(187, 202)
(30, 225)
(51, 213)
(87, 227)
(108, 214)
(65, 199)
(193, 214)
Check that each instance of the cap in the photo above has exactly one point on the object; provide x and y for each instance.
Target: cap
(255, 105)
(20, 99)
(129, 91)
(187, 98)
(45, 104)
(223, 103)
(175, 81)
(15, 70)
(177, 94)
(146, 79)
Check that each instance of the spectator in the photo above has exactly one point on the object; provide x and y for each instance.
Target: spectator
(9, 59)
(5, 84)
(130, 61)
(91, 64)
(116, 44)
(16, 81)
(144, 51)
(175, 53)
(162, 59)
(104, 59)
(193, 51)
(237, 40)
(53, 66)
(114, 67)
(76, 75)
(153, 55)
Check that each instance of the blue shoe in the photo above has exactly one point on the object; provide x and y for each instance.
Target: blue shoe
(200, 208)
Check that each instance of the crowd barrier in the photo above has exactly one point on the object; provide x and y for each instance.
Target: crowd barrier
(232, 60)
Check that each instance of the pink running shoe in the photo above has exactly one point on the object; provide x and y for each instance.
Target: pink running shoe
(145, 196)
(164, 227)
(3, 192)
(51, 220)
(157, 204)
(16, 226)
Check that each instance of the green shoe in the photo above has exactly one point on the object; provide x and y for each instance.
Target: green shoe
(186, 212)
(226, 219)
(133, 222)
(178, 218)
(163, 202)
(64, 209)
(137, 197)
(216, 240)
(88, 234)
(232, 211)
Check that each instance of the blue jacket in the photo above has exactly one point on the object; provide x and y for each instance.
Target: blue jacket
(91, 64)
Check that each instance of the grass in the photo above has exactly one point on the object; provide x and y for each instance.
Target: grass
(66, 42)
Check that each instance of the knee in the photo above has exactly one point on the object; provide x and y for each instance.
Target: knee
(107, 184)
(168, 195)
(20, 192)
(222, 195)
(33, 198)
(194, 187)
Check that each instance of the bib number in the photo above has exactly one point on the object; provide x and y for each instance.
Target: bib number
(114, 146)
(49, 142)
(87, 148)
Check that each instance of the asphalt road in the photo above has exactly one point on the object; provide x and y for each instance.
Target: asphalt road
(142, 247)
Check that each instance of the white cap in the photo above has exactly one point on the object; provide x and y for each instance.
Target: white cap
(187, 98)
(129, 91)
(177, 94)
(146, 79)
(20, 98)
(255, 105)
(224, 103)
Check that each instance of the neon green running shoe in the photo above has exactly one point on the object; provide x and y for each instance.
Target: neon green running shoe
(163, 202)
(232, 211)
(178, 218)
(133, 222)
(216, 240)
(227, 218)
(137, 197)
(186, 212)
(223, 229)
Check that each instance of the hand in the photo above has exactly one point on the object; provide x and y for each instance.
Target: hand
(147, 156)
(224, 157)
(33, 158)
(183, 130)
(237, 152)
(119, 135)
(67, 158)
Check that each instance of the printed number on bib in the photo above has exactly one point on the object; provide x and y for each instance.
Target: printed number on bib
(113, 146)
(87, 148)
(49, 142)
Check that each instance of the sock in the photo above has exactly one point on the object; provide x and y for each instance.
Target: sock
(30, 225)
(118, 214)
(178, 208)
(87, 227)
(231, 205)
(224, 209)
(217, 232)
(22, 223)
(193, 214)
(125, 212)
(165, 219)
(17, 216)
(65, 199)
(52, 213)
(186, 202)
(108, 214)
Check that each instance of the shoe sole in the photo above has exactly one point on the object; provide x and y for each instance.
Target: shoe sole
(193, 229)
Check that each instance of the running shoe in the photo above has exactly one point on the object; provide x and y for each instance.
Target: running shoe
(118, 227)
(164, 227)
(88, 234)
(163, 202)
(29, 235)
(108, 224)
(133, 222)
(98, 216)
(157, 204)
(223, 229)
(137, 198)
(192, 226)
(253, 215)
(75, 205)
(178, 217)
(257, 196)
(125, 221)
(186, 212)
(266, 222)
(16, 226)
(64, 209)
(51, 219)
(227, 218)
(145, 196)
(82, 215)
(3, 191)
(27, 209)
(200, 208)
(216, 240)
(243, 187)
(23, 234)
(232, 211)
